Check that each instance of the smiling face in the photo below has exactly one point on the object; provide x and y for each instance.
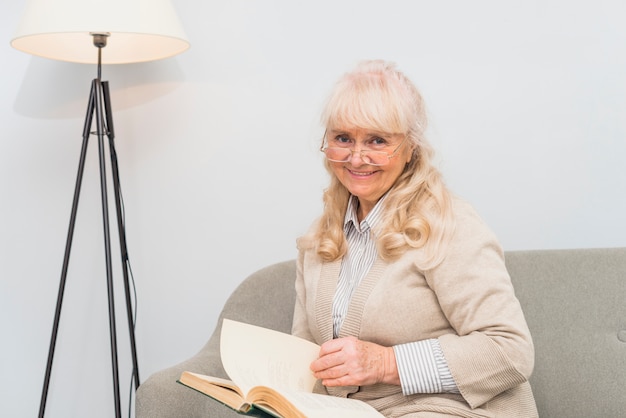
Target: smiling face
(365, 181)
(373, 107)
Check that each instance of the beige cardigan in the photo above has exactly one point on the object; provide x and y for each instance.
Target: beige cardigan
(467, 302)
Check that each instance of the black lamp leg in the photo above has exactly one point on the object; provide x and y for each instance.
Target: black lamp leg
(68, 249)
(101, 132)
(121, 228)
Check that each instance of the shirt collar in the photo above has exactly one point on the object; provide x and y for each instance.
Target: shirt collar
(372, 220)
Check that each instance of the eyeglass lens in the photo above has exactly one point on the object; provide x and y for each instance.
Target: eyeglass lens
(342, 155)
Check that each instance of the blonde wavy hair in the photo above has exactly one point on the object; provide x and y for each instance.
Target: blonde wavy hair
(376, 96)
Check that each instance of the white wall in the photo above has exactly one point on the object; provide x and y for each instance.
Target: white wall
(220, 169)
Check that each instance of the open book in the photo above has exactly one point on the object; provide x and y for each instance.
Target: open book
(269, 371)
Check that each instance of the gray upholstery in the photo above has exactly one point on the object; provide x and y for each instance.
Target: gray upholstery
(575, 305)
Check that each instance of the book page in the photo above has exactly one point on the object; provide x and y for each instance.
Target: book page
(314, 405)
(254, 356)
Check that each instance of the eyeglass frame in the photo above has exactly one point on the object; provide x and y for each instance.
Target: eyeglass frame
(352, 151)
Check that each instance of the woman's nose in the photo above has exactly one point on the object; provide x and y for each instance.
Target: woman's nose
(356, 158)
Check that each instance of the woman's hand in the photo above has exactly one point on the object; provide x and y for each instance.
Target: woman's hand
(349, 361)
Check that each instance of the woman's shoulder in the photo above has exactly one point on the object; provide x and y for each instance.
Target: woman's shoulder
(467, 219)
(463, 209)
(308, 240)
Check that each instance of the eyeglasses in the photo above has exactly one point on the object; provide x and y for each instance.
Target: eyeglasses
(370, 157)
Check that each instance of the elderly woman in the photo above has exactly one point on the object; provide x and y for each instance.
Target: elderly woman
(400, 282)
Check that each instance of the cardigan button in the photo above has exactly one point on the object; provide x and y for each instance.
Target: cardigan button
(622, 336)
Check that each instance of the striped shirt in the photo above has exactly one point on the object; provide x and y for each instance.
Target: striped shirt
(421, 364)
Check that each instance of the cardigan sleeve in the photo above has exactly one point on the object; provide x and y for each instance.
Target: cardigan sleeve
(492, 349)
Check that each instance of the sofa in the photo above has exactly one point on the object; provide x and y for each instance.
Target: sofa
(574, 302)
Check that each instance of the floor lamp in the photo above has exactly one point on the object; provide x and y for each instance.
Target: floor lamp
(96, 32)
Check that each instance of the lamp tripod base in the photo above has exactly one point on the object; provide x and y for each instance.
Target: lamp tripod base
(100, 106)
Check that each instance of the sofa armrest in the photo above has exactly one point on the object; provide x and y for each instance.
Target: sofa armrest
(160, 396)
(266, 298)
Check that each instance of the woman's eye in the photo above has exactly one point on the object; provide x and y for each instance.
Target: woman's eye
(378, 141)
(342, 139)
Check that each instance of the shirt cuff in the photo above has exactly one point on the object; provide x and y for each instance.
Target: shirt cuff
(423, 368)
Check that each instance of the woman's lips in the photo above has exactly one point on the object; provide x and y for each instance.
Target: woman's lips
(360, 173)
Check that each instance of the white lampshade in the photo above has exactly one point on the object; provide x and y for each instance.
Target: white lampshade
(140, 30)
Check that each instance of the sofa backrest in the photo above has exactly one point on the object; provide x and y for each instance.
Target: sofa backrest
(575, 305)
(266, 298)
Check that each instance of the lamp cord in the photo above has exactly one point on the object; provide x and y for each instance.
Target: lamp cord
(132, 374)
(131, 276)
